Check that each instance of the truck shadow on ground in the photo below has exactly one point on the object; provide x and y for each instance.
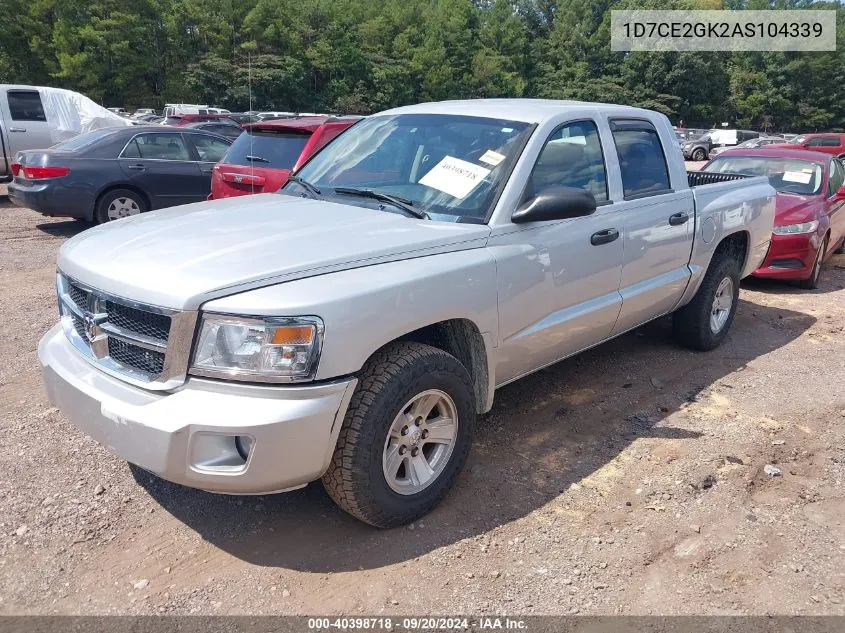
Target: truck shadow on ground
(545, 433)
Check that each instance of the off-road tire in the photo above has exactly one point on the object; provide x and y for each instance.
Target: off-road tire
(691, 323)
(355, 479)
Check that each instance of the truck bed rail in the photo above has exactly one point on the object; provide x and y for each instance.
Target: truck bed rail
(698, 178)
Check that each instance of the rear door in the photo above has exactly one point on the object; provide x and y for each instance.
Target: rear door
(658, 225)
(163, 165)
(26, 121)
(208, 150)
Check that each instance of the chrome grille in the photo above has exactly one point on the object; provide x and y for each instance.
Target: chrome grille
(123, 337)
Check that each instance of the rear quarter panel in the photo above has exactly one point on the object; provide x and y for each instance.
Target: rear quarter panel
(725, 208)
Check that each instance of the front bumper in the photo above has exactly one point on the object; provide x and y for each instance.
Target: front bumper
(188, 435)
(790, 257)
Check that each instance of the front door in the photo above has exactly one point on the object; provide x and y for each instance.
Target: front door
(559, 280)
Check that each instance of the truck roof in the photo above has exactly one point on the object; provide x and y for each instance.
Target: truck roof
(525, 110)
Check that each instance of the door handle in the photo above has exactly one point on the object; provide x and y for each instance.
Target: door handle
(604, 237)
(679, 218)
(17, 129)
(136, 167)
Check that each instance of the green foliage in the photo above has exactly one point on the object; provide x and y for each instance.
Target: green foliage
(367, 55)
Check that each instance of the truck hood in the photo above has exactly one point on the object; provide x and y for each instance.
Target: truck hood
(181, 257)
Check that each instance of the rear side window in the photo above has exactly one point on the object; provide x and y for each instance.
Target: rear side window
(25, 105)
(157, 147)
(210, 149)
(830, 141)
(641, 159)
(264, 148)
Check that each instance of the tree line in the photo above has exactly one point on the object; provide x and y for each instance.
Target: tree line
(362, 56)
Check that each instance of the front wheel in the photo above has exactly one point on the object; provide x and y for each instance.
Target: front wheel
(812, 282)
(699, 155)
(704, 322)
(405, 436)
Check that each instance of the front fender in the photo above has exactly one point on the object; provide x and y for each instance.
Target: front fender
(365, 308)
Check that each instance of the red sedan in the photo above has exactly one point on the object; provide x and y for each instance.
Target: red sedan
(810, 207)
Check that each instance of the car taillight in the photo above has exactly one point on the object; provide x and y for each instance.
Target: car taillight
(44, 173)
(16, 169)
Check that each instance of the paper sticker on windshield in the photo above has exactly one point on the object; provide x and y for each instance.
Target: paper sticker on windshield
(492, 158)
(454, 176)
(797, 176)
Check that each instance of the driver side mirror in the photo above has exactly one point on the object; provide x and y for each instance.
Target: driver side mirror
(556, 203)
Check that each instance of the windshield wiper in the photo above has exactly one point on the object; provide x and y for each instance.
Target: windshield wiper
(305, 185)
(256, 159)
(399, 203)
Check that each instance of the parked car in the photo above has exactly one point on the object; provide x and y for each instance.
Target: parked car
(35, 117)
(223, 127)
(177, 120)
(142, 112)
(261, 160)
(243, 117)
(263, 116)
(110, 174)
(119, 111)
(809, 217)
(425, 257)
(700, 148)
(761, 141)
(828, 143)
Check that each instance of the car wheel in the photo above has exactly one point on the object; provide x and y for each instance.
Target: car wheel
(812, 282)
(405, 437)
(699, 154)
(704, 322)
(117, 204)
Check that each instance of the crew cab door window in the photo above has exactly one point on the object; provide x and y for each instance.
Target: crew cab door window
(815, 142)
(571, 157)
(25, 105)
(830, 141)
(642, 161)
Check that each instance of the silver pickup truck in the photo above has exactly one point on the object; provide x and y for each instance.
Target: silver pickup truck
(352, 326)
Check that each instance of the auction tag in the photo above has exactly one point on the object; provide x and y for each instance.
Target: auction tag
(454, 176)
(492, 158)
(797, 176)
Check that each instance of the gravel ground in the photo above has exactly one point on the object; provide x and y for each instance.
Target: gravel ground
(631, 479)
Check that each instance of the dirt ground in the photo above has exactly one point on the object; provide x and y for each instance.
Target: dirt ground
(627, 480)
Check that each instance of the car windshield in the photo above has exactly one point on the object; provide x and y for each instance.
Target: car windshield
(448, 165)
(83, 140)
(798, 140)
(267, 148)
(787, 175)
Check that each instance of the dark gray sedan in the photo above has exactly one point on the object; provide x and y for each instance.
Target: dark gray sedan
(117, 172)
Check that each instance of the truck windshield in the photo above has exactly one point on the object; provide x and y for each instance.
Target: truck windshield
(447, 165)
(787, 175)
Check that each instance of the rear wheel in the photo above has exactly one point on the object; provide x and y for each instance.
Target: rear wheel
(405, 436)
(704, 322)
(699, 154)
(117, 204)
(812, 282)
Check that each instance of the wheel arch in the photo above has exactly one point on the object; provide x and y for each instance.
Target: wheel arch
(121, 185)
(462, 339)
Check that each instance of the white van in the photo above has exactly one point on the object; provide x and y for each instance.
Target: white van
(178, 109)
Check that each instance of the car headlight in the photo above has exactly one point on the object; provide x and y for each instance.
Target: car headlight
(277, 349)
(796, 229)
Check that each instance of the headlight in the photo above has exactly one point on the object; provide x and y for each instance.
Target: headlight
(262, 350)
(796, 229)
